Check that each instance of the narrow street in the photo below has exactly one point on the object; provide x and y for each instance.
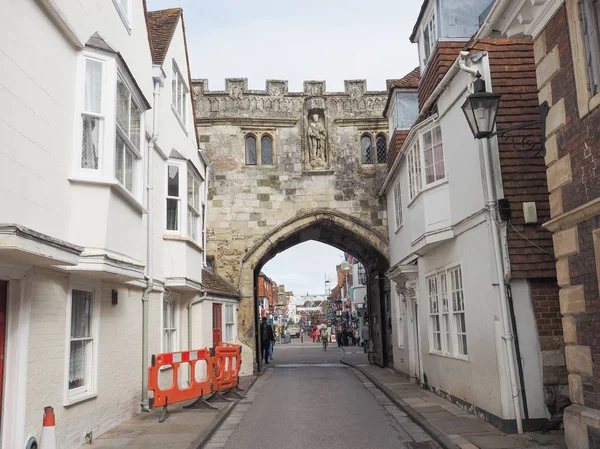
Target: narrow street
(307, 399)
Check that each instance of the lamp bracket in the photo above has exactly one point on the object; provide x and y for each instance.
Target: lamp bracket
(531, 140)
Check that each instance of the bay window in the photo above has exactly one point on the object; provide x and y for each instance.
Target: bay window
(173, 198)
(111, 114)
(447, 323)
(179, 92)
(194, 208)
(425, 161)
(92, 115)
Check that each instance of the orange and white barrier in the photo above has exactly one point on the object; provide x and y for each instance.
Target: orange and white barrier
(222, 375)
(48, 437)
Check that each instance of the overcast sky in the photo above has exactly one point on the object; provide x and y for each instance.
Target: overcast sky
(299, 40)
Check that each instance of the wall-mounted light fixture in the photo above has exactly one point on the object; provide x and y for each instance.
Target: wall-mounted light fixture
(481, 108)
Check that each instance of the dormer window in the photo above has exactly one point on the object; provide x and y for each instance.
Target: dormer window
(430, 37)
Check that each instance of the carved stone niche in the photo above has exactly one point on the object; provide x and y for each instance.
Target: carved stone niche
(355, 88)
(314, 87)
(406, 287)
(236, 87)
(316, 136)
(277, 88)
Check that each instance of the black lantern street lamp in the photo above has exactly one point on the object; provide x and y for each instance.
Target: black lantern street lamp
(480, 109)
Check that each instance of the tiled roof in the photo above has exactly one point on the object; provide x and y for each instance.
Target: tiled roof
(215, 284)
(410, 81)
(161, 28)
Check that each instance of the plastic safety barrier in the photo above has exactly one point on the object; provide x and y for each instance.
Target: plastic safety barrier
(222, 376)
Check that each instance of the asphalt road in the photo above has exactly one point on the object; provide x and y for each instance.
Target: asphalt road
(306, 399)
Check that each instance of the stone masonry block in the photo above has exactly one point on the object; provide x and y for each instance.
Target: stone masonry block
(576, 434)
(545, 94)
(579, 360)
(569, 326)
(576, 389)
(557, 117)
(556, 203)
(566, 243)
(539, 48)
(553, 358)
(551, 150)
(547, 68)
(572, 300)
(563, 276)
(560, 173)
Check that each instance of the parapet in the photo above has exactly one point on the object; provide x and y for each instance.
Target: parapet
(236, 87)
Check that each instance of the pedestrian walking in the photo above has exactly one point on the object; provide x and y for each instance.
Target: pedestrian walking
(366, 336)
(266, 338)
(355, 337)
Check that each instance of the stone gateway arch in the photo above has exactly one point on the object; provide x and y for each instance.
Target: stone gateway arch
(288, 167)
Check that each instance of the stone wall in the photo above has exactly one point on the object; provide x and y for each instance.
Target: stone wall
(248, 202)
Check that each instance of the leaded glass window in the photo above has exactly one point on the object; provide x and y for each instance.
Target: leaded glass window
(266, 150)
(251, 150)
(367, 150)
(381, 144)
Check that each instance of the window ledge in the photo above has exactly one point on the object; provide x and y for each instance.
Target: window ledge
(462, 358)
(183, 238)
(428, 187)
(113, 184)
(128, 197)
(79, 398)
(183, 127)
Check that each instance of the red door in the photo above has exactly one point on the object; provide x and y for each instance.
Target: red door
(217, 324)
(3, 292)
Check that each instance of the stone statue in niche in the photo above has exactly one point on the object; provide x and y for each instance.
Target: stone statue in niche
(317, 142)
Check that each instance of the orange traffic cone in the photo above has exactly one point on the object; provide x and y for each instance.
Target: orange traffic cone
(48, 437)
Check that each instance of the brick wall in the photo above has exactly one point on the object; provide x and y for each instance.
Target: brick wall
(523, 172)
(577, 143)
(546, 306)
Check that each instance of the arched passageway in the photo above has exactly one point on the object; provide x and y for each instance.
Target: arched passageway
(340, 231)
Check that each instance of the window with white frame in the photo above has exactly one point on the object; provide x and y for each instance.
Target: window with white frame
(414, 170)
(179, 92)
(433, 155)
(123, 8)
(429, 37)
(169, 337)
(362, 274)
(229, 312)
(447, 323)
(82, 344)
(398, 205)
(173, 197)
(92, 114)
(127, 149)
(194, 206)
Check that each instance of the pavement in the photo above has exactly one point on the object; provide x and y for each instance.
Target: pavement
(184, 429)
(451, 426)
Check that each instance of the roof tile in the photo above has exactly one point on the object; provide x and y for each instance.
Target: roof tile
(215, 284)
(161, 28)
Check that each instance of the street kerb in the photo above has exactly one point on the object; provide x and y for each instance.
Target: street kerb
(205, 436)
(440, 437)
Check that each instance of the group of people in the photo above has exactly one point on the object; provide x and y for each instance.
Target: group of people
(347, 334)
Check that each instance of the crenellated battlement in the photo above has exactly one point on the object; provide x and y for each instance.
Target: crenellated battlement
(237, 87)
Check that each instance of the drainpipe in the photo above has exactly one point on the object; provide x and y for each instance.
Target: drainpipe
(492, 206)
(158, 83)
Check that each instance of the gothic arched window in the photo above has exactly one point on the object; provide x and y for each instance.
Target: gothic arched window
(367, 149)
(266, 150)
(251, 150)
(381, 145)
